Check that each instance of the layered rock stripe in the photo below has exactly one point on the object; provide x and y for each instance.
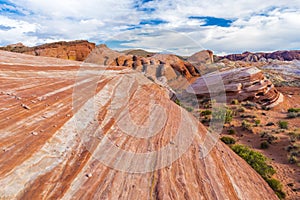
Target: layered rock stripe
(44, 156)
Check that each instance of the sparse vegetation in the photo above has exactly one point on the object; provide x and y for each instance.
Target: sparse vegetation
(294, 110)
(235, 102)
(228, 140)
(257, 122)
(264, 145)
(241, 109)
(246, 125)
(222, 114)
(188, 108)
(231, 131)
(177, 101)
(294, 136)
(293, 113)
(206, 112)
(283, 124)
(259, 163)
(270, 124)
(249, 104)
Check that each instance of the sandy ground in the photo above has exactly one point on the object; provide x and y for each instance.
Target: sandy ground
(288, 174)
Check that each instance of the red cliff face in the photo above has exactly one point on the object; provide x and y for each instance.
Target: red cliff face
(52, 148)
(75, 50)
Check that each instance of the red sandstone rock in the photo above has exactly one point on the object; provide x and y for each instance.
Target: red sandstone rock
(242, 84)
(75, 50)
(60, 162)
(202, 57)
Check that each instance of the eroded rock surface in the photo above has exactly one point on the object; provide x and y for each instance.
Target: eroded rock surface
(75, 50)
(248, 83)
(55, 149)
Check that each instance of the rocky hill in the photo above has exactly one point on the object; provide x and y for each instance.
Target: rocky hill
(263, 57)
(75, 50)
(68, 134)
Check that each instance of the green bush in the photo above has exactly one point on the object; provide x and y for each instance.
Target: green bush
(228, 140)
(264, 145)
(257, 122)
(293, 159)
(246, 125)
(206, 112)
(294, 110)
(235, 102)
(283, 124)
(258, 162)
(277, 187)
(177, 101)
(222, 114)
(241, 109)
(231, 131)
(294, 136)
(255, 159)
(189, 109)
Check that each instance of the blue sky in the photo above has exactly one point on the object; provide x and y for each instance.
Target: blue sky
(176, 26)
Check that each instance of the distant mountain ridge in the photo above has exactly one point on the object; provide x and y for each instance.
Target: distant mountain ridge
(263, 57)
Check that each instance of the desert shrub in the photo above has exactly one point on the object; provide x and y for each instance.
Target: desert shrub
(264, 145)
(235, 102)
(206, 112)
(294, 136)
(294, 110)
(255, 159)
(283, 124)
(177, 101)
(231, 131)
(293, 159)
(249, 104)
(228, 140)
(246, 125)
(277, 187)
(189, 109)
(270, 124)
(222, 114)
(241, 109)
(257, 122)
(291, 115)
(258, 162)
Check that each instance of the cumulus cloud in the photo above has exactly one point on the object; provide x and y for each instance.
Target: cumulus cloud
(177, 26)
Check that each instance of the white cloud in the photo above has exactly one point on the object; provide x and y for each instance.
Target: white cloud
(257, 26)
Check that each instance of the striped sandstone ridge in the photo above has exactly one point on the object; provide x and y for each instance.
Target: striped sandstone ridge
(248, 83)
(51, 147)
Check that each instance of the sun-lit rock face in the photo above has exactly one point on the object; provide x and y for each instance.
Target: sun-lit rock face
(63, 124)
(202, 57)
(248, 83)
(74, 50)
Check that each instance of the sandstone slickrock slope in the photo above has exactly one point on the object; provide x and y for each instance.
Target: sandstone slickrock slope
(73, 50)
(255, 57)
(50, 148)
(248, 83)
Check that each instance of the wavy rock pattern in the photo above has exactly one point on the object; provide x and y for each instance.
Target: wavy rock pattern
(247, 83)
(56, 149)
